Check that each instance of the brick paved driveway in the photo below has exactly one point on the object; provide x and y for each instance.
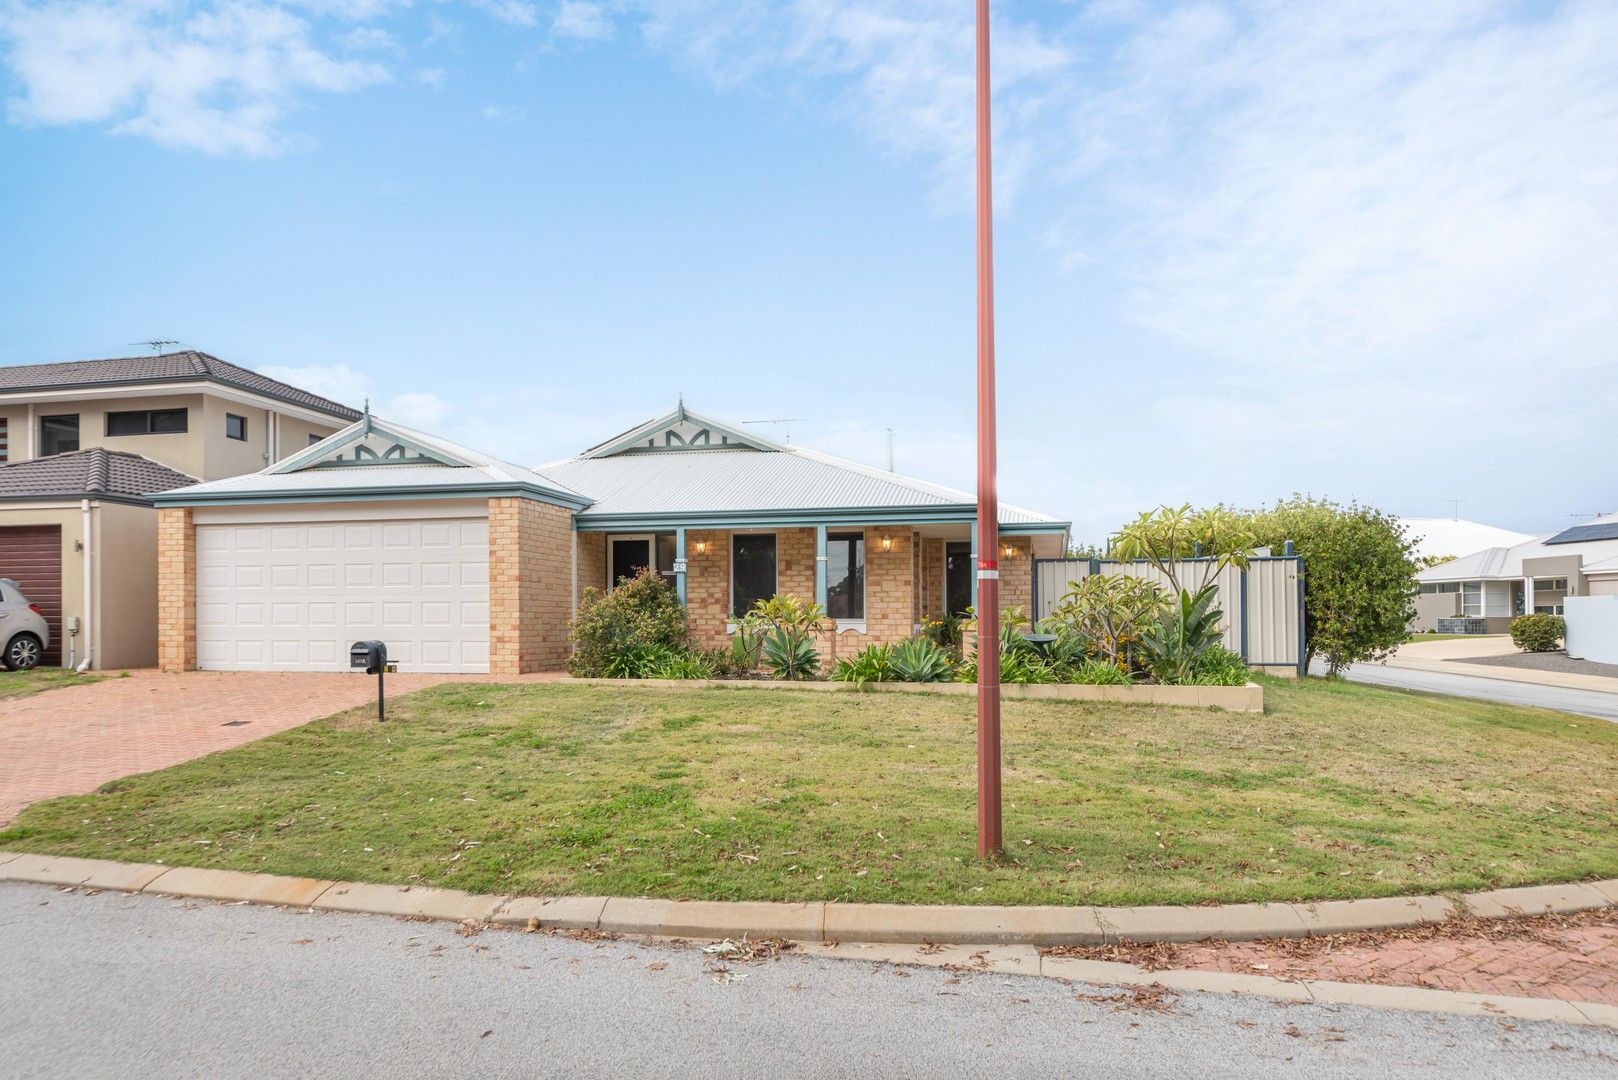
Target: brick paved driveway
(73, 740)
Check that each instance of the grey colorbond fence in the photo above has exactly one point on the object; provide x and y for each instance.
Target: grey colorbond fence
(1263, 604)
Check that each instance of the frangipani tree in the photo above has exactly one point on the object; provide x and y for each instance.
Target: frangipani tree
(1188, 547)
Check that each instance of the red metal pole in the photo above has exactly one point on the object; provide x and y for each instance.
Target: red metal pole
(988, 569)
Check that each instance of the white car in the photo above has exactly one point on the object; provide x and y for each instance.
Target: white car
(23, 632)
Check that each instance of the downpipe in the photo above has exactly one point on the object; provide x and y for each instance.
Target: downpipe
(89, 594)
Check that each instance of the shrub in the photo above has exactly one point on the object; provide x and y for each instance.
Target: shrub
(1023, 668)
(1359, 576)
(690, 665)
(920, 660)
(780, 628)
(874, 663)
(640, 613)
(639, 661)
(1110, 611)
(1219, 667)
(1538, 633)
(945, 631)
(1098, 672)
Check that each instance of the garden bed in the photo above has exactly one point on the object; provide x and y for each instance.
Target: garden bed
(1249, 698)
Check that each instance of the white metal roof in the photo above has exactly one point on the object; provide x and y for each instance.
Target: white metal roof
(437, 467)
(741, 480)
(1437, 537)
(1504, 563)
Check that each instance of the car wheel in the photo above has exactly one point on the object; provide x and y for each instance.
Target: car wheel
(22, 653)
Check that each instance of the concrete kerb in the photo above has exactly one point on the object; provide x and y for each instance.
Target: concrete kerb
(983, 938)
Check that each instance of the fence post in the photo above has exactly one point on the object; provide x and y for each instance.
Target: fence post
(1244, 614)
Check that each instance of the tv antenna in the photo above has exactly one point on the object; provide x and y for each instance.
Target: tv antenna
(1455, 507)
(786, 420)
(157, 345)
(890, 449)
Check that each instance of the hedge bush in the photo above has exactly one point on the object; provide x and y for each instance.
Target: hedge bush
(1538, 633)
(636, 627)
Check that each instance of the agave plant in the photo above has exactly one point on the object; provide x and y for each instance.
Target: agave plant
(791, 655)
(874, 663)
(920, 660)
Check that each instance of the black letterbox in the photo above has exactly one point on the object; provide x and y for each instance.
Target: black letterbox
(370, 655)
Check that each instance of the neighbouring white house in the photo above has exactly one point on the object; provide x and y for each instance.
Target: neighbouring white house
(1450, 538)
(1497, 584)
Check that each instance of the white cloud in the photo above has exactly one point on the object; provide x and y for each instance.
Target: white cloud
(369, 39)
(220, 80)
(433, 77)
(906, 67)
(583, 20)
(341, 383)
(512, 12)
(500, 114)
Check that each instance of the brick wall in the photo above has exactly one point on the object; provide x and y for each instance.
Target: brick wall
(707, 586)
(592, 562)
(176, 590)
(932, 576)
(1017, 574)
(890, 585)
(531, 549)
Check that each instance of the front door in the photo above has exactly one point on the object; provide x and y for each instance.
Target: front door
(626, 557)
(958, 577)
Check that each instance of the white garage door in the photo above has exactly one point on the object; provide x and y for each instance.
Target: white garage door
(293, 596)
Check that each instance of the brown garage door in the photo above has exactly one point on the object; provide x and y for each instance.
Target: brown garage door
(32, 556)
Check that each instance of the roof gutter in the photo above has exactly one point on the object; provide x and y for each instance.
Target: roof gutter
(183, 497)
(963, 513)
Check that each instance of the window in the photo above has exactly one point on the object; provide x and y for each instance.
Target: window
(1472, 599)
(235, 427)
(4, 446)
(147, 422)
(752, 571)
(315, 438)
(845, 575)
(1550, 584)
(1431, 587)
(665, 555)
(58, 435)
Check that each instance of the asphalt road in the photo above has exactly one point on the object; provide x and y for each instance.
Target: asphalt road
(113, 985)
(1584, 702)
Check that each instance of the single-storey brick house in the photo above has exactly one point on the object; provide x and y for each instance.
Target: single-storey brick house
(461, 562)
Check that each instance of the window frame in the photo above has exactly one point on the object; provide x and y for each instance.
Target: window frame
(183, 429)
(5, 440)
(775, 566)
(232, 416)
(78, 434)
(851, 538)
(615, 538)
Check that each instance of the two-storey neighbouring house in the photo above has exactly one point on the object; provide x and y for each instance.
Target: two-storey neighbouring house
(82, 447)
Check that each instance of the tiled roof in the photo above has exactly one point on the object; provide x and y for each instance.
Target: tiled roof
(187, 366)
(95, 473)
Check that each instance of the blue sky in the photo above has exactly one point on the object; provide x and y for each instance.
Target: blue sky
(1362, 249)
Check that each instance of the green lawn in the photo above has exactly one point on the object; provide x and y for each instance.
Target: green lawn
(1339, 790)
(16, 684)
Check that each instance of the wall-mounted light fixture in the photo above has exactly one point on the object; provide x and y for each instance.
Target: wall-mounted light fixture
(702, 547)
(887, 543)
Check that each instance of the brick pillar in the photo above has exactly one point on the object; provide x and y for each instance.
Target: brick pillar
(176, 590)
(531, 552)
(890, 583)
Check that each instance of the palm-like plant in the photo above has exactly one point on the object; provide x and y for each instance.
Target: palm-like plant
(791, 655)
(1172, 646)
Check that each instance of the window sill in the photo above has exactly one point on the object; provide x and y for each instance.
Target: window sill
(846, 625)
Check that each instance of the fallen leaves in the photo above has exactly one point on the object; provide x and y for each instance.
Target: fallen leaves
(1154, 998)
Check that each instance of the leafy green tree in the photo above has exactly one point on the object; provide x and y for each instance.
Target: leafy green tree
(1359, 576)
